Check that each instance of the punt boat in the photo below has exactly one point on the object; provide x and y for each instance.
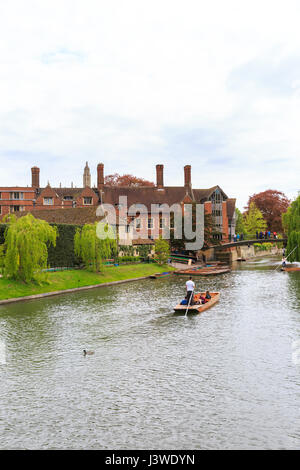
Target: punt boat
(203, 271)
(181, 309)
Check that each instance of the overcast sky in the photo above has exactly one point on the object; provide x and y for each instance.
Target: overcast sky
(214, 84)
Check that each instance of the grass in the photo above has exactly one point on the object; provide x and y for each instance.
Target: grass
(62, 280)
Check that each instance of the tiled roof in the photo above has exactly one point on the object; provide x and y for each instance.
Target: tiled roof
(230, 207)
(76, 216)
(146, 195)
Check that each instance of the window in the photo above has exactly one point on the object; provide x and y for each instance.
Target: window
(48, 201)
(150, 223)
(138, 223)
(13, 209)
(162, 223)
(68, 198)
(127, 228)
(87, 201)
(0, 195)
(16, 196)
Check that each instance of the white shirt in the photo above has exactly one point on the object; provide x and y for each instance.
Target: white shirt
(190, 285)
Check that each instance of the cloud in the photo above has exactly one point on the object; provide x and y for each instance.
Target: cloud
(214, 84)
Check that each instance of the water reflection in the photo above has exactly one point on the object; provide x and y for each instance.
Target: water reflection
(223, 379)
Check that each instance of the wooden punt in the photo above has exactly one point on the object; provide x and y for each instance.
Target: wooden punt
(203, 271)
(291, 269)
(157, 275)
(194, 309)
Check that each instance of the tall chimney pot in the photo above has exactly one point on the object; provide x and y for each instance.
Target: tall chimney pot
(100, 176)
(187, 176)
(35, 177)
(160, 176)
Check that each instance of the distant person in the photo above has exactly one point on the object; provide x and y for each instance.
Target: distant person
(256, 235)
(190, 287)
(283, 262)
(242, 236)
(207, 295)
(238, 237)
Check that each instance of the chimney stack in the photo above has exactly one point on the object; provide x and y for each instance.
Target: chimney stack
(35, 177)
(187, 177)
(100, 176)
(159, 176)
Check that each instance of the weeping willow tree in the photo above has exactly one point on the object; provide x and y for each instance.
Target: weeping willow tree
(24, 254)
(291, 224)
(94, 243)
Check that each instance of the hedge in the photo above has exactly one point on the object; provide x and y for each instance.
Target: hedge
(62, 255)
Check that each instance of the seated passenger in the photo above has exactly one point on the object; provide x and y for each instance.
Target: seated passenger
(207, 296)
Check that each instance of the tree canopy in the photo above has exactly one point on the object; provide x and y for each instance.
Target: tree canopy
(254, 220)
(92, 249)
(291, 224)
(126, 180)
(272, 204)
(240, 222)
(162, 250)
(25, 251)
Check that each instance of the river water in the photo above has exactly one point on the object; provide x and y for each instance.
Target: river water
(227, 378)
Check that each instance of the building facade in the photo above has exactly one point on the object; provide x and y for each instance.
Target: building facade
(41, 200)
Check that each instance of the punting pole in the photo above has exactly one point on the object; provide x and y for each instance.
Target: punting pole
(288, 255)
(189, 302)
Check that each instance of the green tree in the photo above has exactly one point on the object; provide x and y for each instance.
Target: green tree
(92, 249)
(253, 220)
(240, 222)
(291, 224)
(25, 251)
(162, 250)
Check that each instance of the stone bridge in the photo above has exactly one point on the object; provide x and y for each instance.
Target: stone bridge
(224, 246)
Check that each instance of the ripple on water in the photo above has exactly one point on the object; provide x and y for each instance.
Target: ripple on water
(223, 379)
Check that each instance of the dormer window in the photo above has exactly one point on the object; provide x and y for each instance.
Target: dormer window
(48, 201)
(87, 201)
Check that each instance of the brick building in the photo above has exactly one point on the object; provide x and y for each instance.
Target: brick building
(42, 200)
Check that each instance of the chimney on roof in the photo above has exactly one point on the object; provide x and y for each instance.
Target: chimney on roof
(160, 176)
(187, 177)
(35, 177)
(100, 176)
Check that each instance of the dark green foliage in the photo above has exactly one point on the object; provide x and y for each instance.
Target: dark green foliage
(63, 254)
(291, 223)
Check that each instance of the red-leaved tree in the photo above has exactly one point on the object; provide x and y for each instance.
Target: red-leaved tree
(126, 180)
(272, 205)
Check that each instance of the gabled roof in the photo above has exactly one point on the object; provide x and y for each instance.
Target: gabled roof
(146, 195)
(230, 207)
(204, 194)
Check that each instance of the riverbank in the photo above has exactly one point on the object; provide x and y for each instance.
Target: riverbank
(74, 279)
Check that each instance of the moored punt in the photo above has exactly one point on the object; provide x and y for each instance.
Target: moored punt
(203, 271)
(157, 275)
(291, 269)
(181, 309)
